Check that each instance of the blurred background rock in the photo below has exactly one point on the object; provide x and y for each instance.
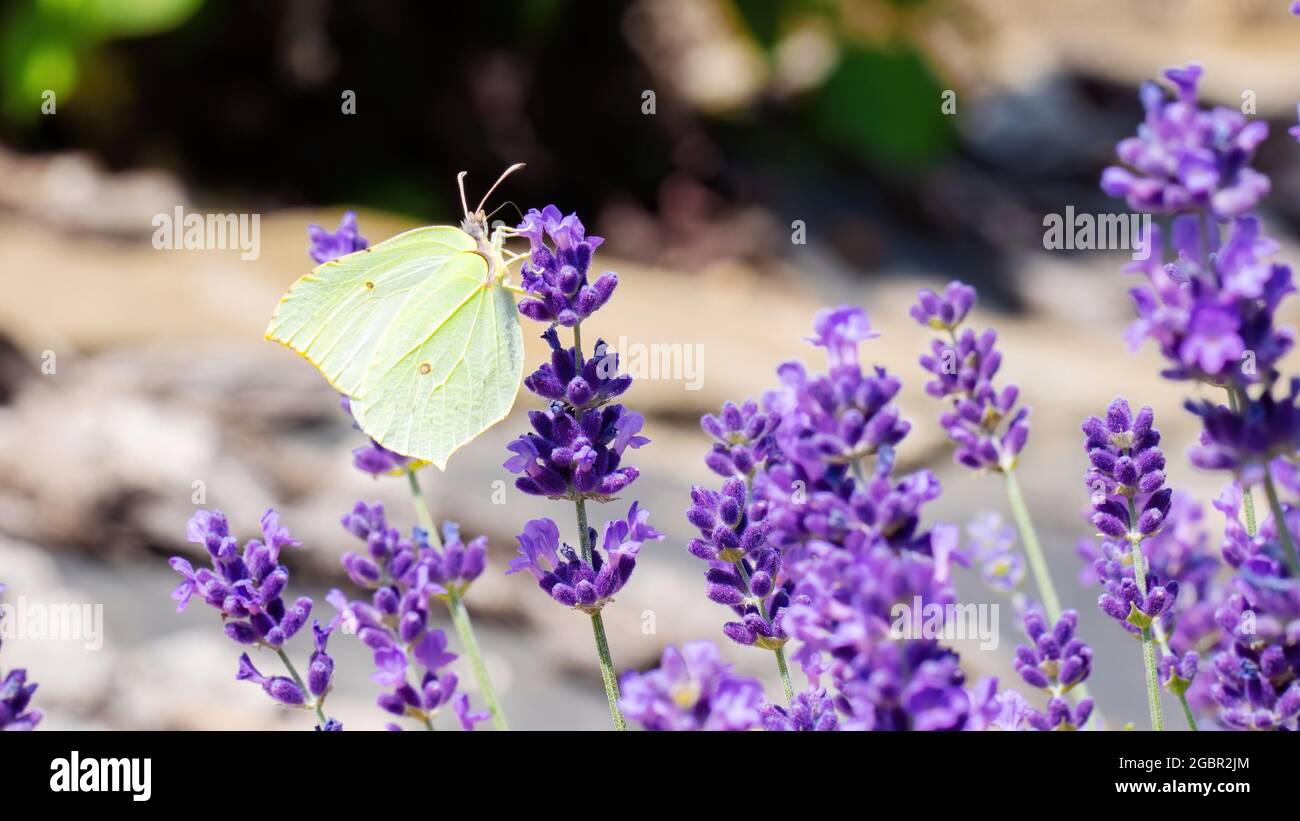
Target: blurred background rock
(691, 133)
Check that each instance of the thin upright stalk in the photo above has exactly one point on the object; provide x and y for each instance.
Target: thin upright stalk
(1280, 523)
(608, 673)
(1033, 551)
(1148, 645)
(1237, 400)
(459, 614)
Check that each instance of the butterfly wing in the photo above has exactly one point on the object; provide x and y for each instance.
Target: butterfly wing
(429, 350)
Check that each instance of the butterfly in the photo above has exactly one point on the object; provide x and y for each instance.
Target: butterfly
(420, 331)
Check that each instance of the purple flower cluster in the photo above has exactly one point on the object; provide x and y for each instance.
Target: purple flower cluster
(1058, 660)
(1257, 669)
(743, 567)
(1211, 310)
(1126, 472)
(561, 380)
(556, 272)
(325, 246)
(692, 689)
(576, 449)
(743, 438)
(1185, 158)
(246, 586)
(576, 454)
(838, 540)
(405, 575)
(16, 712)
(983, 421)
(811, 711)
(573, 581)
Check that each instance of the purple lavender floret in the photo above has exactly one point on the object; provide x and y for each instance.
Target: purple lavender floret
(982, 420)
(744, 569)
(1185, 158)
(556, 272)
(1246, 442)
(393, 562)
(811, 711)
(842, 416)
(280, 688)
(326, 246)
(1060, 715)
(1136, 610)
(743, 438)
(1213, 317)
(1058, 660)
(1001, 564)
(559, 380)
(692, 689)
(1126, 474)
(576, 458)
(573, 581)
(1257, 690)
(944, 312)
(404, 575)
(244, 585)
(373, 458)
(16, 712)
(1178, 672)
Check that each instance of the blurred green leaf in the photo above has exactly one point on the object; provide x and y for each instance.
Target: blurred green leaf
(883, 104)
(43, 42)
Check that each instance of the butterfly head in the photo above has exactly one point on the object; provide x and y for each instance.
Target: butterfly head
(476, 222)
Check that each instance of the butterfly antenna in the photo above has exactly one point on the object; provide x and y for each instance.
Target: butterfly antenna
(510, 203)
(460, 183)
(512, 169)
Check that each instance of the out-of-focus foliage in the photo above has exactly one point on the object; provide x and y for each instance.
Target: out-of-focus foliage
(881, 99)
(45, 43)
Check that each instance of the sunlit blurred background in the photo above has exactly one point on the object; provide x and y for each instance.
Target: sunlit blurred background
(702, 138)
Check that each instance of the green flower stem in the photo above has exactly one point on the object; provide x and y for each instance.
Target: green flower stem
(465, 629)
(1038, 565)
(780, 651)
(1238, 399)
(1034, 552)
(459, 614)
(422, 507)
(1280, 524)
(317, 704)
(1148, 646)
(607, 672)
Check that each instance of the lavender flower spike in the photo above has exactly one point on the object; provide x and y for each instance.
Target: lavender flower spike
(1130, 503)
(246, 586)
(576, 449)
